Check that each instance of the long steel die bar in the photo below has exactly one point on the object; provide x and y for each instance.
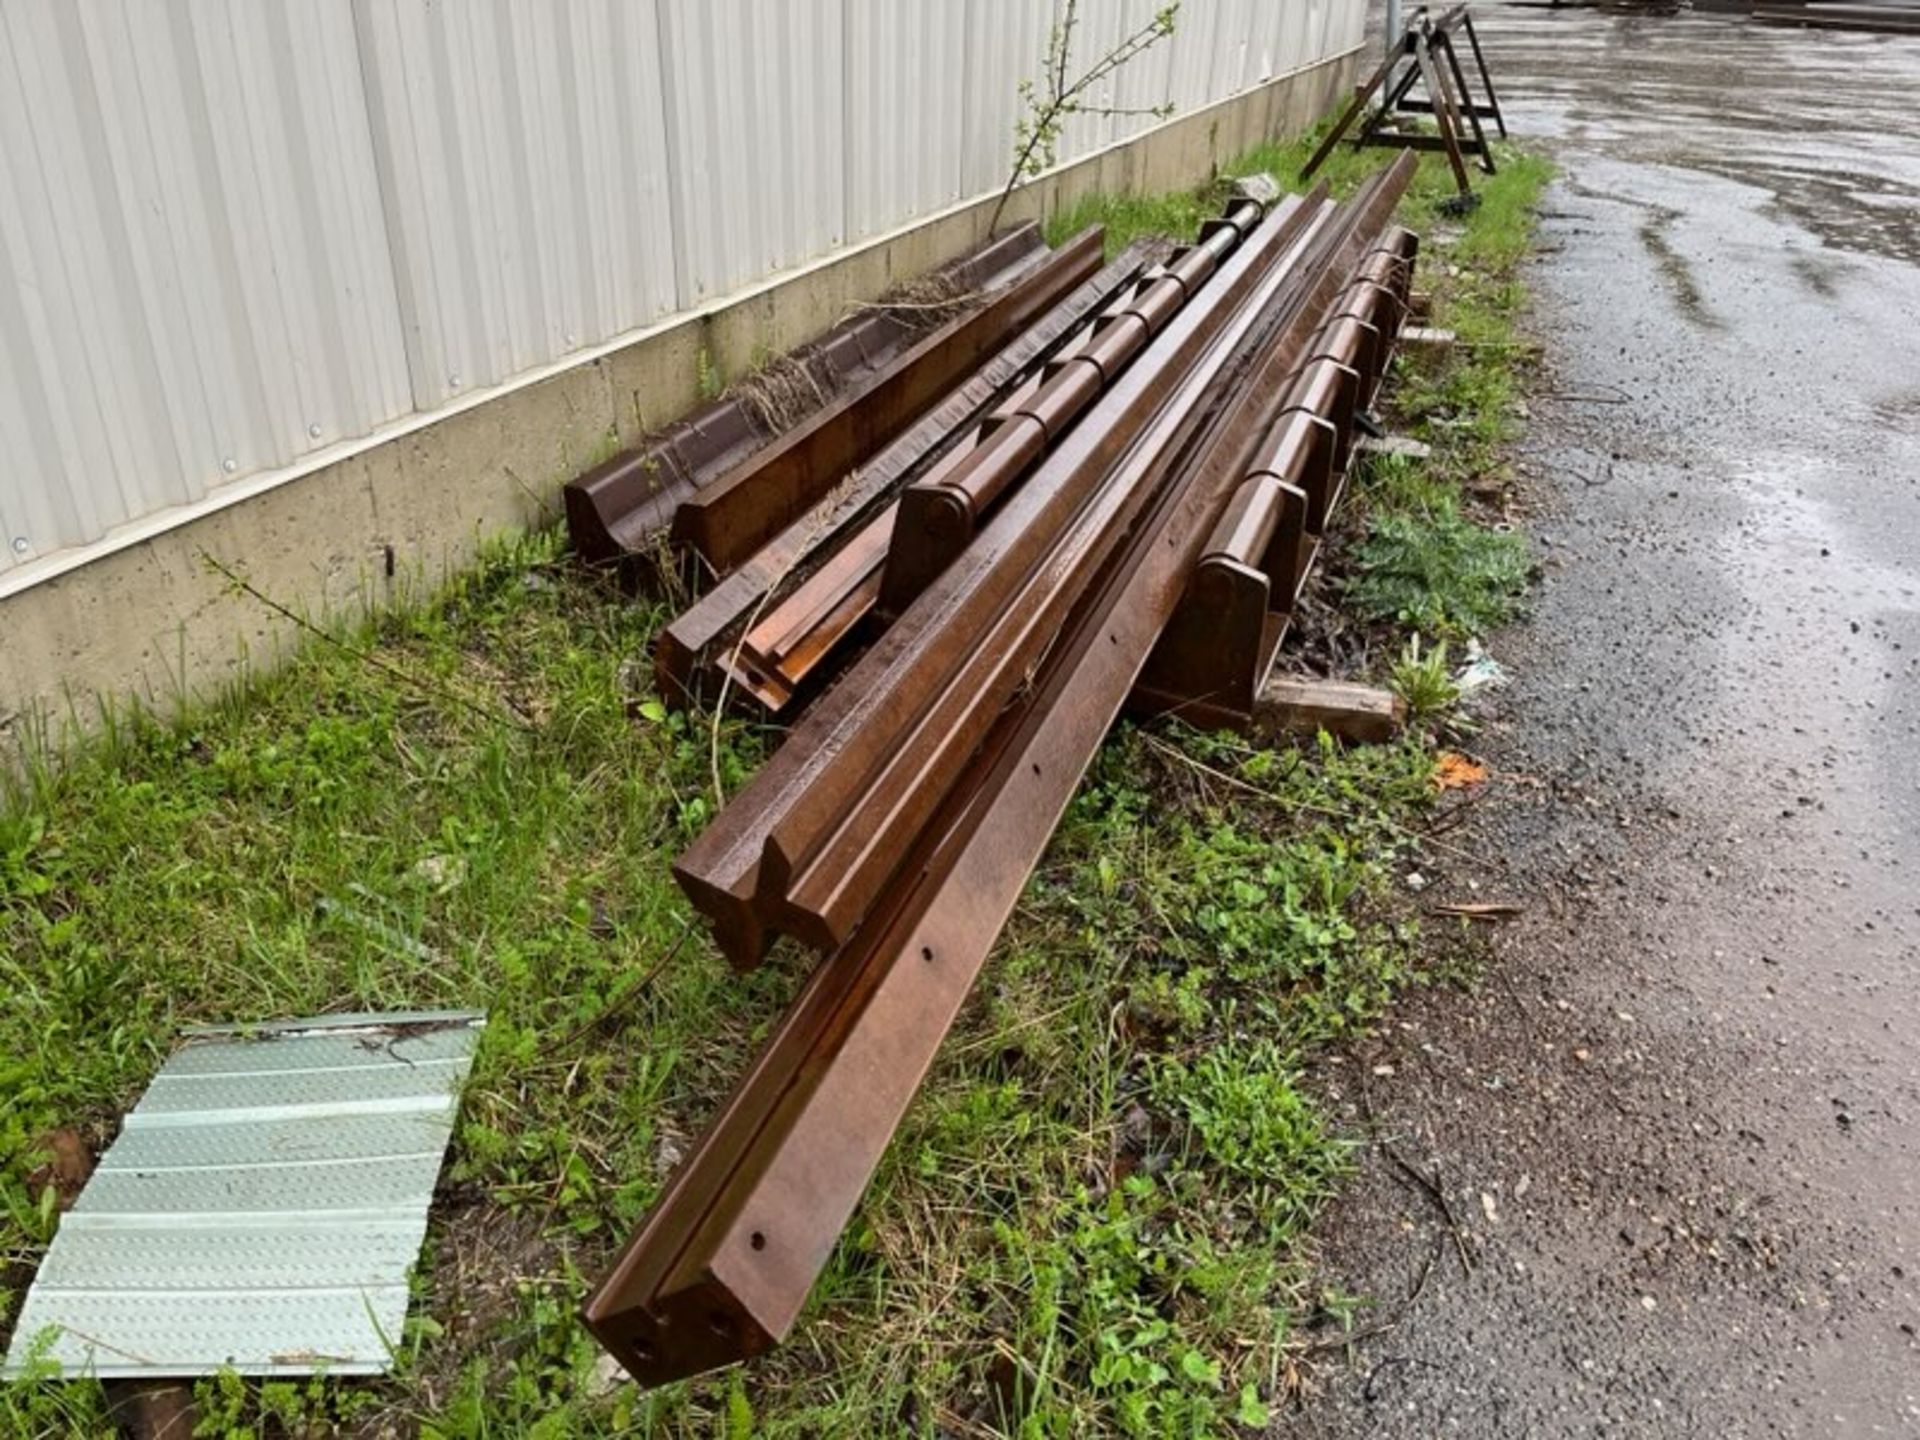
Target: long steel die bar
(725, 522)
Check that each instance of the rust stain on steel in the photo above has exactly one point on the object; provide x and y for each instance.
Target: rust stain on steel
(725, 522)
(721, 1267)
(616, 509)
(689, 648)
(857, 735)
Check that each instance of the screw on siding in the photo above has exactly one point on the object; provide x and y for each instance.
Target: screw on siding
(21, 545)
(570, 337)
(313, 432)
(229, 465)
(453, 382)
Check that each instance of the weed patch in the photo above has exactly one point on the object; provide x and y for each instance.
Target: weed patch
(1437, 572)
(1128, 218)
(1421, 679)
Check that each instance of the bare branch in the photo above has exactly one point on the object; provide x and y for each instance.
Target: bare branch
(1036, 135)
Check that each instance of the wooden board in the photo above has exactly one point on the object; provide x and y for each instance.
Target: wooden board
(1296, 705)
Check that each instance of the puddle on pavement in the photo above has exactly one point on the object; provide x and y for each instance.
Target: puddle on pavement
(1816, 126)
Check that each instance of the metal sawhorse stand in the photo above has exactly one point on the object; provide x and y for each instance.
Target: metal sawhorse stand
(1449, 99)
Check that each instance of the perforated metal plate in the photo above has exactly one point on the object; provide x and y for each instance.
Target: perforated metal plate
(262, 1206)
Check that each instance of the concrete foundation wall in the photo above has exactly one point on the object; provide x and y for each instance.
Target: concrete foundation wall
(155, 624)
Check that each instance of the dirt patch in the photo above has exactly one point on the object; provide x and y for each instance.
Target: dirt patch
(485, 1259)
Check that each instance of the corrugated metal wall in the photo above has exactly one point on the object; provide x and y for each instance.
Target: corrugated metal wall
(240, 231)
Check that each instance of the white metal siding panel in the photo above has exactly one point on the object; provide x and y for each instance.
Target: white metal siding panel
(1231, 71)
(643, 239)
(1325, 36)
(798, 58)
(904, 128)
(1193, 42)
(707, 125)
(1123, 103)
(71, 268)
(1146, 84)
(1289, 39)
(1097, 29)
(522, 156)
(754, 135)
(1350, 27)
(197, 282)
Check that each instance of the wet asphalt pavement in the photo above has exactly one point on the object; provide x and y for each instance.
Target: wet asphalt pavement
(1675, 1134)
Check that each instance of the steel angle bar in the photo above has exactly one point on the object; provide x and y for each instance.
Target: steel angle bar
(728, 520)
(700, 1183)
(1355, 107)
(687, 654)
(1462, 99)
(840, 748)
(1486, 77)
(1444, 117)
(721, 1267)
(778, 653)
(1437, 49)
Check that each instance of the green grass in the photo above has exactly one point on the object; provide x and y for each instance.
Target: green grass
(1090, 1221)
(1128, 218)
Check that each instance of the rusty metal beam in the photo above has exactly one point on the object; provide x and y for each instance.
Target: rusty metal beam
(1213, 659)
(869, 744)
(940, 513)
(727, 521)
(898, 553)
(1222, 637)
(775, 656)
(618, 510)
(692, 648)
